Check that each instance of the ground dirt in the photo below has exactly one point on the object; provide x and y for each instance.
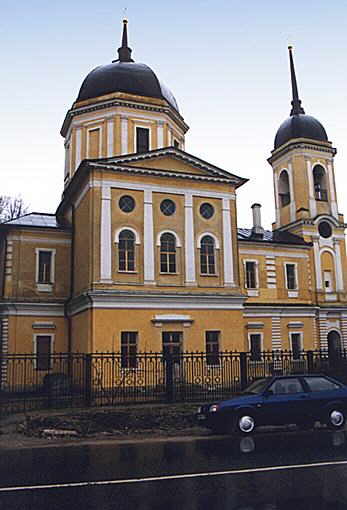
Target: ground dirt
(66, 426)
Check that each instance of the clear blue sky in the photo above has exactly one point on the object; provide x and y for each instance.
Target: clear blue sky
(225, 60)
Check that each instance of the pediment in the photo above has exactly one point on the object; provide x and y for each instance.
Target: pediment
(175, 160)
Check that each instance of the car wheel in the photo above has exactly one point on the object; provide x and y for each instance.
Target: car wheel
(336, 418)
(245, 423)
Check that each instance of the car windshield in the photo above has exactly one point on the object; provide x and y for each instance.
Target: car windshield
(256, 386)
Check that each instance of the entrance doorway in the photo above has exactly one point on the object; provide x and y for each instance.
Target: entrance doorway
(334, 345)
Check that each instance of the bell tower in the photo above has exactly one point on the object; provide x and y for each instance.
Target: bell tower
(305, 193)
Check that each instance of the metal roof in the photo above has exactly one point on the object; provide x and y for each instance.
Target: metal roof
(278, 237)
(34, 220)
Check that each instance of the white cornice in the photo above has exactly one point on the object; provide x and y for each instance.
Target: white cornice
(160, 301)
(275, 253)
(32, 309)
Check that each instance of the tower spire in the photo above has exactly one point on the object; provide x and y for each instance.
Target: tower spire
(124, 52)
(296, 103)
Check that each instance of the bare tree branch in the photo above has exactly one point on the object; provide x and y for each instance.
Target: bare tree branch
(12, 207)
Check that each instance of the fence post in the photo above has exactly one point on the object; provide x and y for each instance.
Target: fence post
(88, 379)
(169, 365)
(243, 369)
(309, 361)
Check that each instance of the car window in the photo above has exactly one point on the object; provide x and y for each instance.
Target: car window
(257, 386)
(321, 384)
(285, 386)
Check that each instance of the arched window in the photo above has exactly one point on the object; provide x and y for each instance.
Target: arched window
(207, 256)
(283, 188)
(126, 251)
(167, 253)
(319, 182)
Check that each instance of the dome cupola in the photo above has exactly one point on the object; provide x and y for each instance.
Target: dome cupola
(124, 75)
(298, 124)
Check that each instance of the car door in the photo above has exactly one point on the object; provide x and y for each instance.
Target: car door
(285, 402)
(322, 392)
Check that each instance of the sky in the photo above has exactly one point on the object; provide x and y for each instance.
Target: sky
(226, 62)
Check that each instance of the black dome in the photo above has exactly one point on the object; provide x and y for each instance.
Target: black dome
(128, 77)
(300, 126)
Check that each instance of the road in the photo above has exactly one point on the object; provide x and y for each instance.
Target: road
(268, 471)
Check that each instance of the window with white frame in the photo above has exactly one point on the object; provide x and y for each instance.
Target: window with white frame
(142, 139)
(291, 276)
(295, 344)
(167, 253)
(45, 260)
(126, 251)
(207, 256)
(255, 346)
(251, 277)
(43, 349)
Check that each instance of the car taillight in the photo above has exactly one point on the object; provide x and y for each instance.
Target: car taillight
(213, 408)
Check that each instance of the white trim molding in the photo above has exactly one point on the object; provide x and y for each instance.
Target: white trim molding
(105, 236)
(125, 227)
(216, 240)
(166, 231)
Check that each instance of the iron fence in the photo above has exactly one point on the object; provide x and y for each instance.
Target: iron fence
(101, 379)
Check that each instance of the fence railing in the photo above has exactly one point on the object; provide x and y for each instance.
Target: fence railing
(101, 379)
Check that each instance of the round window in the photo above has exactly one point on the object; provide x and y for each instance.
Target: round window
(324, 228)
(206, 210)
(127, 203)
(167, 207)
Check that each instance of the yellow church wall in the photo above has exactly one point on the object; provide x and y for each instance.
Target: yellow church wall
(108, 325)
(121, 220)
(21, 333)
(82, 244)
(81, 332)
(23, 264)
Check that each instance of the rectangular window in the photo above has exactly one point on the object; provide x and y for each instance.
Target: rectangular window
(212, 347)
(142, 139)
(172, 344)
(291, 277)
(176, 144)
(328, 281)
(45, 267)
(43, 352)
(295, 339)
(128, 349)
(251, 280)
(255, 346)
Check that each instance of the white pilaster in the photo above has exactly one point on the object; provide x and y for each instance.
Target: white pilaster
(227, 245)
(292, 193)
(148, 239)
(189, 244)
(160, 134)
(278, 218)
(105, 236)
(317, 264)
(78, 147)
(311, 194)
(110, 137)
(124, 134)
(333, 200)
(338, 268)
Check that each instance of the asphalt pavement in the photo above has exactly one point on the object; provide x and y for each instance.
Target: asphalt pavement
(267, 471)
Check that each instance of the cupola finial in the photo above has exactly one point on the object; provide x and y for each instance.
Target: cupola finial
(296, 103)
(124, 52)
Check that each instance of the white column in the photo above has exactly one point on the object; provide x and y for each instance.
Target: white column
(318, 268)
(227, 245)
(105, 236)
(338, 268)
(110, 127)
(78, 147)
(311, 193)
(292, 193)
(278, 217)
(124, 134)
(160, 134)
(333, 200)
(189, 240)
(148, 239)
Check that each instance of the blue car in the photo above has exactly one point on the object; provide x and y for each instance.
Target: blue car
(281, 400)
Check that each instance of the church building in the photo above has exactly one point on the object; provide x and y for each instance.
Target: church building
(144, 252)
